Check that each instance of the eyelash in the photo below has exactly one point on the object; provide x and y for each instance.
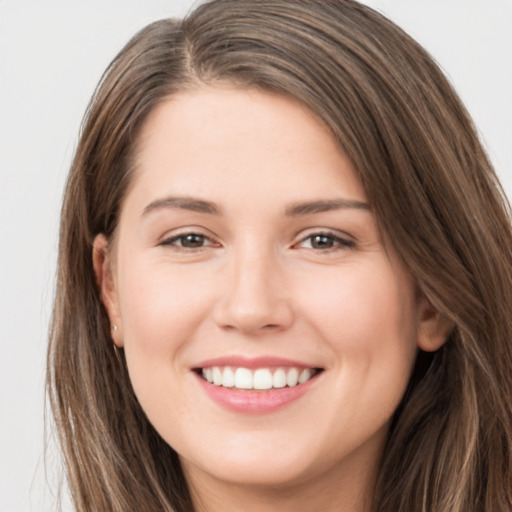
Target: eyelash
(336, 242)
(182, 236)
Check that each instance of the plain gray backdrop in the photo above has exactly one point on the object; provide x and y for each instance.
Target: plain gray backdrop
(52, 54)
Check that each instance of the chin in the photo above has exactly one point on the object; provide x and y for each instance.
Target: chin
(264, 468)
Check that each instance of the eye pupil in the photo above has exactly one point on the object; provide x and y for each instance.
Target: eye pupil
(321, 242)
(192, 240)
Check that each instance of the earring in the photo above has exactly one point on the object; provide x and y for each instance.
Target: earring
(116, 348)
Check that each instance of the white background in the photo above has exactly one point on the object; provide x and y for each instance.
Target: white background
(52, 54)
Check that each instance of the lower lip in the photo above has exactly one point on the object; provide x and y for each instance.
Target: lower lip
(255, 402)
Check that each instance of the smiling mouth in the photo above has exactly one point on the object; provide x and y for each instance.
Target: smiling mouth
(258, 379)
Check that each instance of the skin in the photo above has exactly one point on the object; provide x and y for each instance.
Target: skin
(258, 284)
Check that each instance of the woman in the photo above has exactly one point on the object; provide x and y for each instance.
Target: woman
(285, 275)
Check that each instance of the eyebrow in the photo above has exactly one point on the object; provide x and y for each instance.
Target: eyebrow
(325, 205)
(293, 210)
(184, 203)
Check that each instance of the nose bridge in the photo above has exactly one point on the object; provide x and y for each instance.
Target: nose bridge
(255, 292)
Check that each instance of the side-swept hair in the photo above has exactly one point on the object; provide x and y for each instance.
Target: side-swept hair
(432, 190)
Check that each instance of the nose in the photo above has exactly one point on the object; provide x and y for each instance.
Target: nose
(254, 297)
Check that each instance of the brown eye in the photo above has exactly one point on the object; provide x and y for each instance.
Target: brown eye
(192, 241)
(188, 241)
(325, 242)
(322, 242)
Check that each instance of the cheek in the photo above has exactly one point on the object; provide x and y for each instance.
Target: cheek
(364, 299)
(368, 318)
(161, 308)
(159, 299)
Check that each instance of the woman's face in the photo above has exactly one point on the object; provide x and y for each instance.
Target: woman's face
(247, 254)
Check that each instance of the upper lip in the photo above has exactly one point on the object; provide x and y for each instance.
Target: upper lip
(253, 362)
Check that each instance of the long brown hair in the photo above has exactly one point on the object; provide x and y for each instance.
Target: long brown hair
(433, 193)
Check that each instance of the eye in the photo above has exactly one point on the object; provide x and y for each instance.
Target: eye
(325, 242)
(188, 241)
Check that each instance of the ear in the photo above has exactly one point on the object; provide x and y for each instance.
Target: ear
(433, 327)
(105, 281)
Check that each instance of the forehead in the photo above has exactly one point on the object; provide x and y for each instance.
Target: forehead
(248, 142)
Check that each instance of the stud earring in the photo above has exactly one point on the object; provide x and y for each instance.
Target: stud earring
(114, 328)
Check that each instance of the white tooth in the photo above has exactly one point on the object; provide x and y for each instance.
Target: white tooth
(293, 377)
(217, 376)
(262, 379)
(243, 378)
(228, 378)
(279, 379)
(304, 376)
(207, 372)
